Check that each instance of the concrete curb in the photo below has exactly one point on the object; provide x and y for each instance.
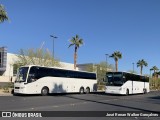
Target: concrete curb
(5, 94)
(154, 90)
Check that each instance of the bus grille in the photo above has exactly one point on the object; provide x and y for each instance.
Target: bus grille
(17, 87)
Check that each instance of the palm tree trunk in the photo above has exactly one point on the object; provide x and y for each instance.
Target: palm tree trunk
(154, 78)
(116, 65)
(75, 58)
(141, 69)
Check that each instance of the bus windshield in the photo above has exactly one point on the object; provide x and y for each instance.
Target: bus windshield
(22, 74)
(114, 79)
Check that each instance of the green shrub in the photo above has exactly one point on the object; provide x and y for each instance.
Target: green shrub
(101, 87)
(10, 85)
(7, 87)
(155, 84)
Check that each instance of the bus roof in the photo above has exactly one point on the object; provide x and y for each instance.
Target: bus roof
(126, 72)
(56, 68)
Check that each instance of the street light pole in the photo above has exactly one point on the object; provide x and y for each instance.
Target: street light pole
(106, 61)
(54, 37)
(133, 67)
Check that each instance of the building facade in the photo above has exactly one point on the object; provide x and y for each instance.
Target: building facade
(3, 59)
(7, 60)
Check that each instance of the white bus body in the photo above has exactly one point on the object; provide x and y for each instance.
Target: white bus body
(40, 81)
(126, 83)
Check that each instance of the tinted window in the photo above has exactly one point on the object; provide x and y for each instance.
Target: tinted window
(134, 77)
(53, 72)
(114, 79)
(22, 74)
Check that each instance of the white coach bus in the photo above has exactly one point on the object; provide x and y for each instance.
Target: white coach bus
(44, 80)
(126, 83)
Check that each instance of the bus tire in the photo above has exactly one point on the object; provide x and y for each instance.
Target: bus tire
(87, 90)
(127, 92)
(81, 90)
(12, 91)
(144, 91)
(44, 91)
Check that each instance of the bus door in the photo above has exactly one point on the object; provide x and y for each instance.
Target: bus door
(32, 85)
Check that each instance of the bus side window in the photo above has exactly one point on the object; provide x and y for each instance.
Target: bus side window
(124, 79)
(32, 75)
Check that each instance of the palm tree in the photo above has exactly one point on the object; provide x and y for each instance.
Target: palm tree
(142, 63)
(155, 73)
(116, 55)
(3, 14)
(76, 42)
(155, 69)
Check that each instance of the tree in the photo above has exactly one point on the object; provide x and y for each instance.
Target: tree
(3, 14)
(76, 42)
(38, 56)
(100, 68)
(155, 74)
(116, 56)
(155, 69)
(142, 63)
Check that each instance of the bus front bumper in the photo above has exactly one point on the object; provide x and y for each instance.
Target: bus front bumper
(114, 90)
(19, 90)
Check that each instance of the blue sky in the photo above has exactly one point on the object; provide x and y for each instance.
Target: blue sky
(129, 26)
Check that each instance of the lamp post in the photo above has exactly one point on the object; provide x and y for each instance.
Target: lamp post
(54, 37)
(133, 67)
(107, 61)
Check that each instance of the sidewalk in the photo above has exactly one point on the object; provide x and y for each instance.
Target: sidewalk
(4, 94)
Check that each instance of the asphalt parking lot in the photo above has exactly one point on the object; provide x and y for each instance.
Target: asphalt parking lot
(92, 104)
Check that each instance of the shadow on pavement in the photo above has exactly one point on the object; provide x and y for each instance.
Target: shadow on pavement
(112, 104)
(155, 97)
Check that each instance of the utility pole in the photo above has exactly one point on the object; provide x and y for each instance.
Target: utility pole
(107, 61)
(133, 67)
(54, 37)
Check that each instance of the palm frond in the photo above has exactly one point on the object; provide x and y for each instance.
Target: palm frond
(154, 68)
(76, 41)
(77, 37)
(116, 55)
(81, 41)
(70, 45)
(142, 63)
(3, 14)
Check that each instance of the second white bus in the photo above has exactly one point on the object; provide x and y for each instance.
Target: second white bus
(44, 80)
(126, 83)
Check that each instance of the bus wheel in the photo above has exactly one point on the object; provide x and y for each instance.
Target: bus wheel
(127, 92)
(44, 91)
(12, 91)
(81, 91)
(87, 90)
(144, 91)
